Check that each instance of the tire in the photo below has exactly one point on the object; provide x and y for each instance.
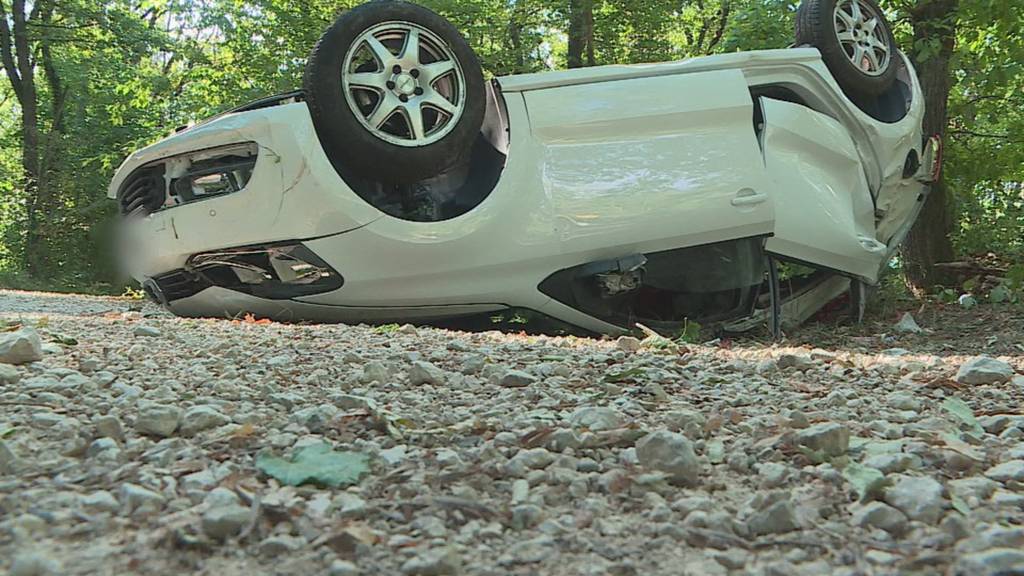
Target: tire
(818, 23)
(352, 121)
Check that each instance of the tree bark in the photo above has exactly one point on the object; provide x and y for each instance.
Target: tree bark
(934, 23)
(18, 54)
(17, 59)
(581, 33)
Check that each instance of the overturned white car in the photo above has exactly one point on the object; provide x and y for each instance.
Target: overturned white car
(399, 185)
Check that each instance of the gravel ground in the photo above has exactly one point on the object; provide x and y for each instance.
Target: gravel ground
(131, 447)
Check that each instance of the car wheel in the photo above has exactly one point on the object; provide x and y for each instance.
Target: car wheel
(855, 41)
(395, 92)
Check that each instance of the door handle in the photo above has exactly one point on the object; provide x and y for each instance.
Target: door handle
(748, 197)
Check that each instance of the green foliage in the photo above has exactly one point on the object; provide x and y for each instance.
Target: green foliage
(133, 70)
(963, 414)
(315, 464)
(690, 333)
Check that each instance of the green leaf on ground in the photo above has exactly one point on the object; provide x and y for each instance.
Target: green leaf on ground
(962, 412)
(315, 464)
(959, 505)
(954, 443)
(864, 479)
(624, 375)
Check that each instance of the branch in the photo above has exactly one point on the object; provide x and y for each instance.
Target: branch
(1006, 137)
(21, 42)
(32, 24)
(723, 19)
(7, 57)
(58, 93)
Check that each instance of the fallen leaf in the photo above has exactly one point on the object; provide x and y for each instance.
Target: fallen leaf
(316, 464)
(961, 411)
(957, 445)
(959, 504)
(624, 375)
(866, 481)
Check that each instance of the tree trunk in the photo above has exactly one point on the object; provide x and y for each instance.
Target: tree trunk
(934, 21)
(581, 33)
(17, 56)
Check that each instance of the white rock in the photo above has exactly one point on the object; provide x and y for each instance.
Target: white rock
(425, 373)
(375, 371)
(433, 562)
(685, 420)
(223, 522)
(596, 418)
(147, 331)
(920, 498)
(889, 463)
(394, 455)
(880, 515)
(520, 491)
(137, 499)
(627, 344)
(9, 374)
(34, 563)
(110, 427)
(533, 458)
(776, 518)
(773, 474)
(340, 567)
(1007, 471)
(100, 500)
(315, 418)
(200, 418)
(830, 438)
(199, 482)
(800, 361)
(669, 452)
(274, 546)
(158, 420)
(905, 401)
(526, 516)
(9, 461)
(350, 505)
(529, 551)
(993, 562)
(516, 379)
(221, 498)
(908, 325)
(103, 449)
(984, 370)
(975, 487)
(20, 346)
(473, 363)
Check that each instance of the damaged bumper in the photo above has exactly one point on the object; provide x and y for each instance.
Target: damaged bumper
(274, 272)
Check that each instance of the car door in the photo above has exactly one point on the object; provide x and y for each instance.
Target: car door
(824, 212)
(651, 162)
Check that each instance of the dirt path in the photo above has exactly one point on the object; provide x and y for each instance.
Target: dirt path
(135, 446)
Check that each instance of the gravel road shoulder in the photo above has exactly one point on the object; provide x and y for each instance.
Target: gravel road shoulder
(131, 446)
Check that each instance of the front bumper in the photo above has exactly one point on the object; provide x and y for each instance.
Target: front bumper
(293, 194)
(278, 271)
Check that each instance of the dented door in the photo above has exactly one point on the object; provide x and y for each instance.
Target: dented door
(654, 163)
(824, 213)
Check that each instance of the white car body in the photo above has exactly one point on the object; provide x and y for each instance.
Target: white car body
(601, 163)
